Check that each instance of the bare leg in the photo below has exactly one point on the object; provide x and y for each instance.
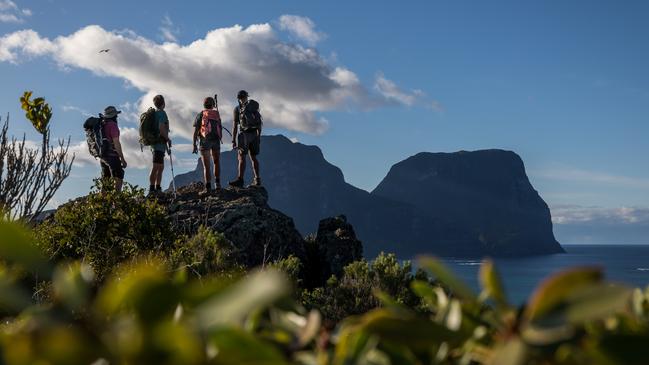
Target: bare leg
(216, 156)
(205, 157)
(118, 184)
(153, 175)
(255, 165)
(159, 167)
(242, 166)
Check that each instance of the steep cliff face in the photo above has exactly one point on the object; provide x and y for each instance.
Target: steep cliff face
(484, 193)
(304, 185)
(405, 214)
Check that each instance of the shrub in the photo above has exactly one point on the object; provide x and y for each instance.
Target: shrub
(104, 229)
(292, 267)
(354, 292)
(207, 252)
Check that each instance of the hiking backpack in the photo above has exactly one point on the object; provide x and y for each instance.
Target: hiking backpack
(149, 130)
(250, 118)
(211, 128)
(95, 139)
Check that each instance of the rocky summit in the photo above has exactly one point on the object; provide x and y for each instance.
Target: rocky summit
(464, 204)
(259, 233)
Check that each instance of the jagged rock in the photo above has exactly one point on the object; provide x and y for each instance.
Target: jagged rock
(337, 245)
(259, 233)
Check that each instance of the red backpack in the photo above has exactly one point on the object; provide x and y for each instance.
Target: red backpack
(211, 128)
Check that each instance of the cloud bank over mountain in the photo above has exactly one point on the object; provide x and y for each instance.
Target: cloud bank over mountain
(293, 82)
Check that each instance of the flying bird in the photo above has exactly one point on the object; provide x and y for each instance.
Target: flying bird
(105, 50)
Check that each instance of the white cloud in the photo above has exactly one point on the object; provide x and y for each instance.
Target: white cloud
(11, 13)
(168, 31)
(575, 214)
(302, 28)
(579, 175)
(391, 91)
(76, 109)
(130, 139)
(9, 18)
(437, 106)
(7, 5)
(291, 83)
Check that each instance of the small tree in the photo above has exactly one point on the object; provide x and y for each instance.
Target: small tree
(29, 177)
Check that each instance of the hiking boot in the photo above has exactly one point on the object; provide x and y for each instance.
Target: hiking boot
(238, 183)
(256, 182)
(207, 191)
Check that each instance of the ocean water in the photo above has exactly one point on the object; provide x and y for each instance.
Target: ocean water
(628, 264)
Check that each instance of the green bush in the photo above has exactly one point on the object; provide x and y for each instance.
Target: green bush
(207, 252)
(292, 267)
(106, 228)
(355, 291)
(146, 313)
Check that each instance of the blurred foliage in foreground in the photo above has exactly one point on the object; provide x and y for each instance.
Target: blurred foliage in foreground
(147, 312)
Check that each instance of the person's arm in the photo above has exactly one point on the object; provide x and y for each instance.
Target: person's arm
(197, 130)
(164, 133)
(118, 149)
(235, 126)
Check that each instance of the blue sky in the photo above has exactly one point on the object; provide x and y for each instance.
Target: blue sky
(564, 84)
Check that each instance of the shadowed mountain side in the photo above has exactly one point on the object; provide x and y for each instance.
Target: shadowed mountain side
(303, 185)
(485, 192)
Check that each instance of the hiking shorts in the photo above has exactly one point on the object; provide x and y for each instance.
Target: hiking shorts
(111, 166)
(158, 156)
(207, 144)
(248, 141)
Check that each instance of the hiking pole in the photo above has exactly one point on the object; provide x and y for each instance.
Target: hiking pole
(216, 104)
(173, 175)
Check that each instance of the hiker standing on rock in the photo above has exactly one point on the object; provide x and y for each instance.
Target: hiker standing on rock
(158, 149)
(246, 137)
(208, 134)
(112, 158)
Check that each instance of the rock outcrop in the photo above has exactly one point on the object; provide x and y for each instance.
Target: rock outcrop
(337, 245)
(259, 233)
(455, 204)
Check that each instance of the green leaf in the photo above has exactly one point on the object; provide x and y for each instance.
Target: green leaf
(627, 349)
(258, 290)
(16, 247)
(352, 342)
(232, 346)
(514, 352)
(425, 291)
(71, 284)
(408, 330)
(492, 284)
(597, 302)
(445, 276)
(554, 290)
(14, 297)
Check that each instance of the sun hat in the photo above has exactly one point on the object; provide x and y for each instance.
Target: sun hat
(111, 112)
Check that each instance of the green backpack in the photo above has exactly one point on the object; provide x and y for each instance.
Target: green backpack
(149, 130)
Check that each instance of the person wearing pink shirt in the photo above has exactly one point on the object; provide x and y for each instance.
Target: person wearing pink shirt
(112, 159)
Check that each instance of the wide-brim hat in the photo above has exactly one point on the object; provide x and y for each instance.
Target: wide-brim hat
(111, 112)
(242, 94)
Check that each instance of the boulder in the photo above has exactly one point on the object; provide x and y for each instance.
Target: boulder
(259, 233)
(337, 245)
